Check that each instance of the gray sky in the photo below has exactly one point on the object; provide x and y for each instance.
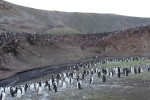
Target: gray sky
(139, 8)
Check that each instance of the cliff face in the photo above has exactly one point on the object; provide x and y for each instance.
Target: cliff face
(23, 51)
(16, 18)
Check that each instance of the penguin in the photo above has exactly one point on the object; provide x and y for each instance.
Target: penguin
(50, 82)
(119, 73)
(12, 91)
(37, 86)
(32, 87)
(70, 80)
(80, 75)
(42, 85)
(135, 70)
(2, 89)
(92, 72)
(79, 84)
(99, 73)
(74, 75)
(64, 85)
(39, 91)
(60, 82)
(83, 75)
(7, 90)
(77, 77)
(55, 87)
(23, 89)
(91, 79)
(67, 80)
(126, 71)
(139, 70)
(64, 75)
(84, 72)
(104, 78)
(49, 87)
(52, 79)
(111, 74)
(26, 87)
(46, 82)
(3, 95)
(19, 93)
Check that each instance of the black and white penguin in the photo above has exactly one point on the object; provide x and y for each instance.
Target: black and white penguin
(139, 69)
(84, 72)
(119, 72)
(23, 89)
(37, 86)
(3, 96)
(99, 73)
(64, 84)
(79, 85)
(70, 80)
(46, 83)
(32, 87)
(91, 79)
(52, 79)
(19, 93)
(12, 91)
(55, 87)
(126, 71)
(26, 87)
(83, 75)
(7, 90)
(135, 70)
(77, 77)
(39, 91)
(92, 72)
(104, 78)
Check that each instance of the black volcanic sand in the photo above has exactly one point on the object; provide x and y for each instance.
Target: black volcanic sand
(35, 73)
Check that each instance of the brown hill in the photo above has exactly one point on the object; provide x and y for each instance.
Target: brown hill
(23, 51)
(14, 18)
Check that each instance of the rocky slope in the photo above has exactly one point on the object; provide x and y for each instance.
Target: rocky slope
(16, 18)
(23, 51)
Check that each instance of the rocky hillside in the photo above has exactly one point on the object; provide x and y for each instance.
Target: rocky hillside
(16, 18)
(23, 51)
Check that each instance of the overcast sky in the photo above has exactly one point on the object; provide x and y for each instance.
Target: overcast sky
(140, 8)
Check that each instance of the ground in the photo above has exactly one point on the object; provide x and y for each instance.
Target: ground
(132, 87)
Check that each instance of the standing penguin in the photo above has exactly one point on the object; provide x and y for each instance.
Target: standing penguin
(12, 91)
(26, 87)
(39, 91)
(79, 84)
(126, 71)
(3, 95)
(77, 77)
(23, 89)
(91, 79)
(139, 70)
(70, 80)
(135, 70)
(52, 79)
(49, 87)
(99, 73)
(83, 75)
(32, 87)
(64, 85)
(119, 73)
(104, 78)
(55, 87)
(19, 93)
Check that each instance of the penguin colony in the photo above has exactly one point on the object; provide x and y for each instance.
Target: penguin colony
(76, 75)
